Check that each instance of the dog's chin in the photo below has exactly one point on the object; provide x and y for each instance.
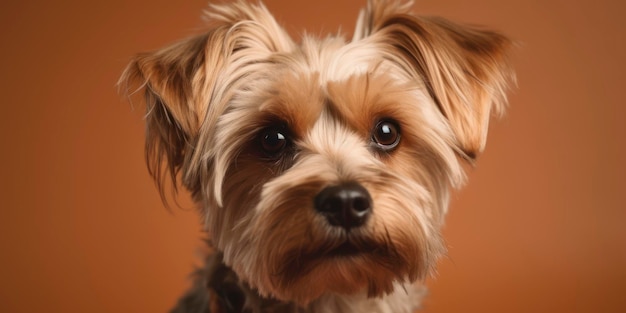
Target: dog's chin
(344, 268)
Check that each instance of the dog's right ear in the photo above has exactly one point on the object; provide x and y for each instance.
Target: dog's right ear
(170, 80)
(187, 86)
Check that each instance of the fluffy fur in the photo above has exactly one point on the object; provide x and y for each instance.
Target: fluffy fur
(210, 98)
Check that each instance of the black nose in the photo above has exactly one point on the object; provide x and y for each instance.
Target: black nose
(347, 205)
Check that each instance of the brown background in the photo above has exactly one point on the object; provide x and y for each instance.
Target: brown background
(540, 228)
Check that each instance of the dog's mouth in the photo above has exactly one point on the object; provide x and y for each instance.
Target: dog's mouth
(350, 247)
(346, 249)
(299, 263)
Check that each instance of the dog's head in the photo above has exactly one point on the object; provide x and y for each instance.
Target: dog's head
(322, 166)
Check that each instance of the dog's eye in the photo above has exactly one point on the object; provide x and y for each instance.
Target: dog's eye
(386, 134)
(273, 141)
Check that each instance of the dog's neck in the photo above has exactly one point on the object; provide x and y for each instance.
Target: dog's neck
(402, 300)
(217, 289)
(405, 299)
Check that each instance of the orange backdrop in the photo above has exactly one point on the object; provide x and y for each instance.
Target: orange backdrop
(540, 228)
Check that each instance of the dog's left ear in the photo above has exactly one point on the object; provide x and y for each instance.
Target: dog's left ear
(465, 69)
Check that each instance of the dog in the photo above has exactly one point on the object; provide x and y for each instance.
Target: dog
(322, 168)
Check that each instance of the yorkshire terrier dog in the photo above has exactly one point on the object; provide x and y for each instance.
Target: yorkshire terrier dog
(322, 168)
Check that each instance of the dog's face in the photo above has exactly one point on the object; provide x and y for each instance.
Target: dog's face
(322, 167)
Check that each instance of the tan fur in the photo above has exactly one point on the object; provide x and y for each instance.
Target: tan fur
(465, 70)
(209, 98)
